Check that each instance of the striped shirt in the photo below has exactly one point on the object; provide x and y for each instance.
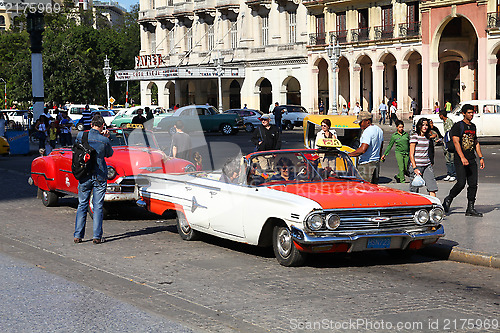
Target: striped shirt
(87, 117)
(421, 150)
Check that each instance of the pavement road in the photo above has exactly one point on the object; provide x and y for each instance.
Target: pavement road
(145, 276)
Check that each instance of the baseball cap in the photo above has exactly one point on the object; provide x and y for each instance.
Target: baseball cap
(363, 115)
(265, 116)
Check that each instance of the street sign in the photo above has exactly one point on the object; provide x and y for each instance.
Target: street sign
(112, 100)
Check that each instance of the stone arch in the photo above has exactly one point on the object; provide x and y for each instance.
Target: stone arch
(170, 94)
(365, 81)
(389, 76)
(234, 95)
(152, 93)
(413, 65)
(291, 89)
(265, 90)
(344, 81)
(323, 69)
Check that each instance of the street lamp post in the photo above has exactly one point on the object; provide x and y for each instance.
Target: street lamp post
(333, 51)
(107, 73)
(218, 63)
(4, 93)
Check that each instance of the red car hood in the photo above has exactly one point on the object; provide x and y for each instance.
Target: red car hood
(144, 160)
(331, 195)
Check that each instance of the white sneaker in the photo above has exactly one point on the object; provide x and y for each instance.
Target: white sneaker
(452, 179)
(447, 178)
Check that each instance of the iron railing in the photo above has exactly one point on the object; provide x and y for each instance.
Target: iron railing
(409, 29)
(317, 38)
(494, 20)
(384, 31)
(360, 34)
(338, 36)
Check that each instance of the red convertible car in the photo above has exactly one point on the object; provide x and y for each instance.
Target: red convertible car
(135, 151)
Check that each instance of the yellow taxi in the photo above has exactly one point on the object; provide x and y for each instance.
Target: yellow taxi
(4, 146)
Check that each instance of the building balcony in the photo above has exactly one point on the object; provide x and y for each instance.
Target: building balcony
(360, 34)
(166, 11)
(317, 38)
(257, 4)
(494, 20)
(183, 8)
(339, 36)
(409, 29)
(224, 6)
(147, 15)
(201, 5)
(384, 32)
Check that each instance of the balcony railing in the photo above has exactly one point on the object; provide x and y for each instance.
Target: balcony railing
(360, 34)
(409, 29)
(493, 20)
(183, 7)
(164, 11)
(148, 14)
(339, 36)
(317, 38)
(384, 31)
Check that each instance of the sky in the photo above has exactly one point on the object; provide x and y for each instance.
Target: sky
(127, 3)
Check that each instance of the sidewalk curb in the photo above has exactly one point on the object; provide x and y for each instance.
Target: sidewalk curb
(448, 250)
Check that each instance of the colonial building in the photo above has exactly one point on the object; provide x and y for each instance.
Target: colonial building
(433, 51)
(262, 44)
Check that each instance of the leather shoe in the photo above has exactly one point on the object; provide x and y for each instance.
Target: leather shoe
(447, 204)
(98, 240)
(77, 240)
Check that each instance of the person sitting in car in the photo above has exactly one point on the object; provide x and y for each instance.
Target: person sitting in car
(139, 118)
(285, 168)
(231, 172)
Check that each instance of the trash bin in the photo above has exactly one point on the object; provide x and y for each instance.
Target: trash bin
(19, 142)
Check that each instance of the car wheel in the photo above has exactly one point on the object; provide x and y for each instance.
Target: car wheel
(105, 209)
(172, 130)
(34, 137)
(79, 127)
(289, 126)
(226, 129)
(49, 199)
(284, 249)
(249, 128)
(184, 229)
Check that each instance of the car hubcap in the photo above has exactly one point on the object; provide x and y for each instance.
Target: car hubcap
(45, 195)
(249, 127)
(227, 129)
(284, 242)
(184, 225)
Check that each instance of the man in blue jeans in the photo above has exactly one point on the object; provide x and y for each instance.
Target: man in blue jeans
(95, 183)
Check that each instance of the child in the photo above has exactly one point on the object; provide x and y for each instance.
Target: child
(198, 161)
(402, 141)
(52, 134)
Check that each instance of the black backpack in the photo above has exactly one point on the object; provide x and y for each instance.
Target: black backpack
(84, 158)
(448, 141)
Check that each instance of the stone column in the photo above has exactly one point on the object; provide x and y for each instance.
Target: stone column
(402, 94)
(355, 81)
(378, 87)
(483, 81)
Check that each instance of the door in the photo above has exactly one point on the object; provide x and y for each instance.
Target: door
(320, 30)
(228, 206)
(65, 181)
(487, 120)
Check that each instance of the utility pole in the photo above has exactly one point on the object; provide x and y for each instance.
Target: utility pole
(35, 29)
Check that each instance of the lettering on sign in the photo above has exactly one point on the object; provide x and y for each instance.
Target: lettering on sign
(149, 61)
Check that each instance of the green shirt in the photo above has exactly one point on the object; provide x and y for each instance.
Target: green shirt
(402, 142)
(447, 106)
(448, 124)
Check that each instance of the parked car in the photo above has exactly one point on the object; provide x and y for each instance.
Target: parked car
(126, 115)
(203, 117)
(135, 152)
(75, 111)
(486, 117)
(292, 115)
(21, 117)
(251, 117)
(4, 146)
(108, 116)
(324, 206)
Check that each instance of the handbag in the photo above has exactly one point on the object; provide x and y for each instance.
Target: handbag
(418, 181)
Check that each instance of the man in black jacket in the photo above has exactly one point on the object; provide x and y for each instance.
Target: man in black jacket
(266, 137)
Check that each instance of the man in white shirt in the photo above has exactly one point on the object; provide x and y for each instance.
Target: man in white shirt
(383, 111)
(371, 142)
(357, 109)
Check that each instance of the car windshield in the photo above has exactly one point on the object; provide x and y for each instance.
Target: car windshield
(303, 166)
(133, 138)
(296, 109)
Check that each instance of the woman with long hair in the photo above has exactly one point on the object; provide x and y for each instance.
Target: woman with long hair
(422, 157)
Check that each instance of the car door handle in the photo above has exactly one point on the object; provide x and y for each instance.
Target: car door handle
(62, 152)
(212, 193)
(188, 188)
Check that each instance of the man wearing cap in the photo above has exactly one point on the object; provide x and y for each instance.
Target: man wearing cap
(266, 137)
(371, 142)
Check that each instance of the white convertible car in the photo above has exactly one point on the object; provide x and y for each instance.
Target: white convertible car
(298, 201)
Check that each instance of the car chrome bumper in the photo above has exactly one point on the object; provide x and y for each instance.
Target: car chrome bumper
(357, 241)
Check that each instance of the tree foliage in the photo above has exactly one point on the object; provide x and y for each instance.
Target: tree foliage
(73, 58)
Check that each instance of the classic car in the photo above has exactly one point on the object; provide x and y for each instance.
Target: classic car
(107, 115)
(297, 201)
(125, 116)
(251, 117)
(4, 146)
(135, 152)
(486, 117)
(292, 116)
(203, 118)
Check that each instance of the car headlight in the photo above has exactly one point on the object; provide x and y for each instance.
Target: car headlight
(189, 168)
(421, 217)
(111, 172)
(315, 222)
(436, 214)
(332, 221)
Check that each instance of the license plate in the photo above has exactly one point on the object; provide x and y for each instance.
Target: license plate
(378, 243)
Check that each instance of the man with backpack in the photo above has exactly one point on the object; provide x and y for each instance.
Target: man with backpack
(448, 155)
(94, 180)
(466, 146)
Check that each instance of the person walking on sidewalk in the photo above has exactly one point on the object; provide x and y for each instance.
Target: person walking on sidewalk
(448, 156)
(94, 184)
(464, 138)
(422, 157)
(392, 114)
(402, 150)
(383, 111)
(369, 151)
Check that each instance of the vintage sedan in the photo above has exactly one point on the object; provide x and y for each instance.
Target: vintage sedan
(124, 117)
(297, 201)
(203, 118)
(251, 117)
(135, 152)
